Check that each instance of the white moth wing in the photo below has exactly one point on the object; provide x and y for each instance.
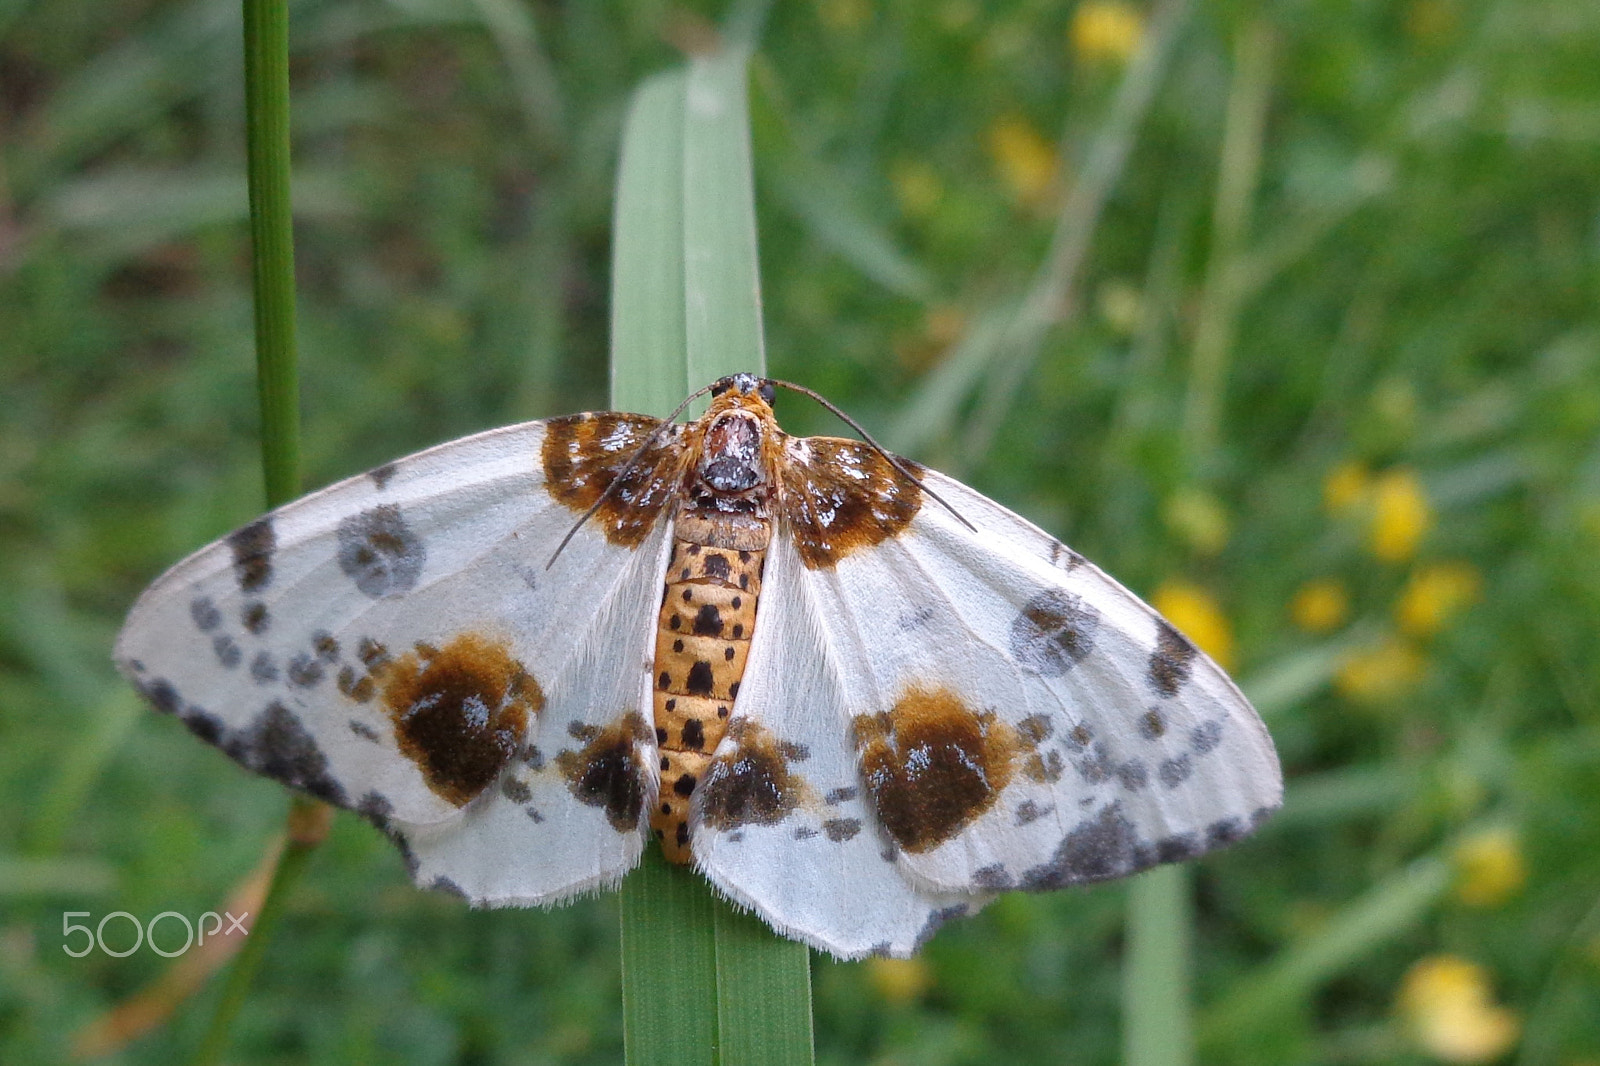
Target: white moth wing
(324, 644)
(780, 822)
(1022, 720)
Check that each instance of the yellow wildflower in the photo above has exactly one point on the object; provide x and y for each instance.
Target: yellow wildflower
(899, 981)
(1346, 488)
(1121, 305)
(1448, 1010)
(1105, 31)
(1401, 516)
(1193, 610)
(917, 186)
(1433, 595)
(1320, 606)
(1380, 673)
(1489, 867)
(1026, 161)
(1199, 518)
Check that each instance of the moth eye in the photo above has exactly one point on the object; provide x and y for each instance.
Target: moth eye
(767, 391)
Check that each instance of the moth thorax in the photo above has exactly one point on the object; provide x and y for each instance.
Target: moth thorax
(730, 461)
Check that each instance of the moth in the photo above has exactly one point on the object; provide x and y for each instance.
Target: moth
(857, 696)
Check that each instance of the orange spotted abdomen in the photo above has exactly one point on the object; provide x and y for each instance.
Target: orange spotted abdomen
(708, 615)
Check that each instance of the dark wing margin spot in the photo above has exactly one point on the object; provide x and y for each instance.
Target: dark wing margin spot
(252, 548)
(1172, 661)
(277, 744)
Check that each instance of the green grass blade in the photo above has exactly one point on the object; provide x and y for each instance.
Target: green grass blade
(266, 45)
(1158, 1028)
(722, 281)
(649, 371)
(763, 993)
(669, 955)
(701, 983)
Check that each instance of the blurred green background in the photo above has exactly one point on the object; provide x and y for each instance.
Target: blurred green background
(1288, 319)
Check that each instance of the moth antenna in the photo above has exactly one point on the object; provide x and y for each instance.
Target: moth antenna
(890, 457)
(633, 460)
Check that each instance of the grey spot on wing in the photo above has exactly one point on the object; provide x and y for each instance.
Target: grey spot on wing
(1172, 661)
(993, 877)
(535, 815)
(379, 552)
(205, 614)
(1094, 767)
(805, 832)
(1133, 774)
(227, 650)
(363, 730)
(1054, 631)
(841, 829)
(1152, 724)
(840, 795)
(304, 671)
(252, 549)
(326, 645)
(1205, 737)
(276, 744)
(534, 758)
(913, 620)
(514, 790)
(1175, 772)
(255, 617)
(380, 475)
(263, 669)
(1102, 846)
(1028, 811)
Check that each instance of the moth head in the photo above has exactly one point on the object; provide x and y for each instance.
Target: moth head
(744, 385)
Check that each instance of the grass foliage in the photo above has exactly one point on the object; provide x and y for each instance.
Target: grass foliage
(1285, 313)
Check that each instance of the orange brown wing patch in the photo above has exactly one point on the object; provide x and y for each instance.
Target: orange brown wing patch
(932, 764)
(460, 711)
(840, 496)
(584, 454)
